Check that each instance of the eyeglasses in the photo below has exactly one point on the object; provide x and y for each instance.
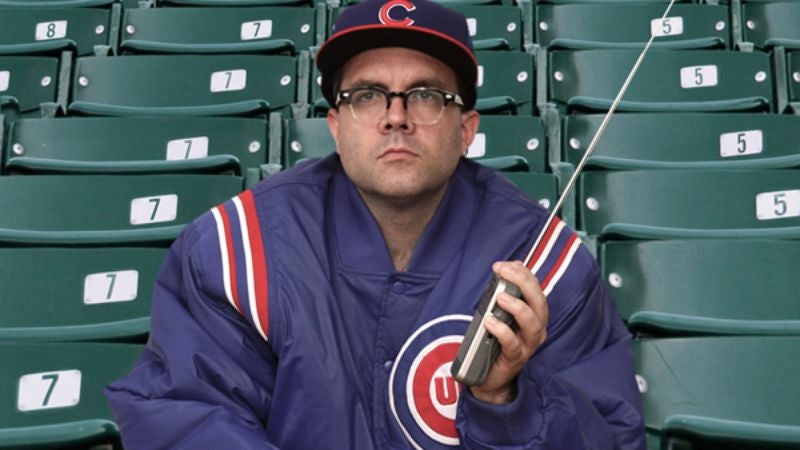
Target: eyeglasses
(424, 105)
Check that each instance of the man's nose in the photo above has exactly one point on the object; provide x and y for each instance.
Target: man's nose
(397, 115)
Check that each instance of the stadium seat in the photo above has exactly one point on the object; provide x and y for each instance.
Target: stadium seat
(510, 143)
(793, 66)
(97, 145)
(195, 85)
(493, 27)
(505, 83)
(233, 2)
(68, 294)
(56, 3)
(541, 187)
(51, 30)
(29, 84)
(668, 80)
(720, 392)
(714, 286)
(771, 24)
(597, 25)
(219, 30)
(685, 140)
(306, 138)
(672, 204)
(52, 394)
(106, 209)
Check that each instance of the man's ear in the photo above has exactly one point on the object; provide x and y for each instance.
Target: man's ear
(469, 127)
(333, 125)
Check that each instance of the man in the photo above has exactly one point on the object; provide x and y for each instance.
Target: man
(324, 308)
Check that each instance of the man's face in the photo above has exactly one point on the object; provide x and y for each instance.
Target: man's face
(396, 159)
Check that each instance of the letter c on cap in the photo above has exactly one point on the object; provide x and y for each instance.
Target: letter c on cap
(386, 9)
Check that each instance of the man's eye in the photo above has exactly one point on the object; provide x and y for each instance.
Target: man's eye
(365, 96)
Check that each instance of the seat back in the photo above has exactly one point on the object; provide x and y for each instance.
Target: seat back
(218, 30)
(76, 293)
(184, 85)
(723, 286)
(722, 392)
(493, 27)
(98, 209)
(307, 138)
(691, 203)
(667, 80)
(510, 143)
(47, 30)
(52, 394)
(705, 140)
(584, 26)
(540, 187)
(27, 82)
(136, 145)
(505, 82)
(771, 24)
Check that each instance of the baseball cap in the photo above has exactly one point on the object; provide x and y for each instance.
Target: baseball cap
(421, 25)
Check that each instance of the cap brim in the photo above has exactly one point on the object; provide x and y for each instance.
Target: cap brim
(343, 46)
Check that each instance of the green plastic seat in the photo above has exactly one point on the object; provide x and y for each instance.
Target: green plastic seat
(305, 139)
(124, 145)
(158, 85)
(67, 294)
(505, 83)
(721, 392)
(671, 204)
(793, 66)
(51, 30)
(596, 25)
(704, 141)
(28, 82)
(541, 187)
(52, 394)
(510, 143)
(233, 2)
(771, 24)
(667, 80)
(218, 30)
(702, 286)
(493, 27)
(106, 209)
(56, 3)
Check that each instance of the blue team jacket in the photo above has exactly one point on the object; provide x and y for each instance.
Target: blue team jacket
(279, 322)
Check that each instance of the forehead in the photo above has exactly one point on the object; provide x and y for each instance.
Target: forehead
(397, 68)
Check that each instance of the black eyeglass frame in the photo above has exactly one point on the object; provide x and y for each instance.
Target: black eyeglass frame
(346, 95)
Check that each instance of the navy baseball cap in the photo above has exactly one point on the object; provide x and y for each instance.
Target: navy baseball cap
(421, 25)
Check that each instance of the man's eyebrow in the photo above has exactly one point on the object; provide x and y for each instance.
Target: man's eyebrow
(422, 82)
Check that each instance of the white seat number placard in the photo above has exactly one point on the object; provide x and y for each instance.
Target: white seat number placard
(478, 147)
(229, 80)
(187, 148)
(259, 29)
(160, 208)
(472, 26)
(741, 143)
(5, 80)
(668, 26)
(778, 204)
(51, 30)
(698, 76)
(480, 76)
(110, 287)
(46, 390)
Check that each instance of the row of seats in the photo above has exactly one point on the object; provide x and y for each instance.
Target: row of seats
(668, 80)
(274, 28)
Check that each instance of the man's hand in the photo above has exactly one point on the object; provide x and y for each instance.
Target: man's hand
(516, 348)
